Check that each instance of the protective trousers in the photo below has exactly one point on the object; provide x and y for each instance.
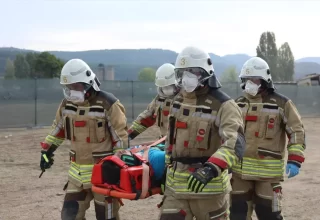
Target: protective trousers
(264, 196)
(215, 208)
(77, 201)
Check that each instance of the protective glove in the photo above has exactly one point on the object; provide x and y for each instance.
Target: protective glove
(292, 169)
(200, 178)
(46, 160)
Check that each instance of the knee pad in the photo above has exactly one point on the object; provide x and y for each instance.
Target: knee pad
(265, 213)
(69, 210)
(238, 210)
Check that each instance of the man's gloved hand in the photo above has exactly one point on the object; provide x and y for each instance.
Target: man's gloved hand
(46, 160)
(292, 169)
(199, 179)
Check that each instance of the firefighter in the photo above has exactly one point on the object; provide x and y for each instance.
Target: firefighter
(269, 117)
(205, 138)
(95, 123)
(158, 110)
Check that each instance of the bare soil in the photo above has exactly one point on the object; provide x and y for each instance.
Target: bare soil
(26, 197)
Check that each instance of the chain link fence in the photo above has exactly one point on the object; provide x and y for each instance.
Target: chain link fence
(33, 102)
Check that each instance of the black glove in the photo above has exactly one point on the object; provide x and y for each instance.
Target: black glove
(46, 160)
(199, 179)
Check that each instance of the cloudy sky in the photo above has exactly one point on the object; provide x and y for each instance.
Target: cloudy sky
(221, 27)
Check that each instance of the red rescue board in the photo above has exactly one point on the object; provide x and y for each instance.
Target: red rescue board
(141, 176)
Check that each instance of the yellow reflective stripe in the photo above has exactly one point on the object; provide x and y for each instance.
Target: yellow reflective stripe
(184, 187)
(81, 173)
(231, 159)
(260, 168)
(81, 168)
(138, 127)
(117, 149)
(179, 182)
(296, 148)
(80, 178)
(265, 162)
(167, 159)
(45, 158)
(54, 140)
(183, 176)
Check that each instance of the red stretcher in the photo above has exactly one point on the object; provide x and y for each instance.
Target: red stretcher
(115, 178)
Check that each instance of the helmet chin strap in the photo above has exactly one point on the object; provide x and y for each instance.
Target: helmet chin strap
(88, 93)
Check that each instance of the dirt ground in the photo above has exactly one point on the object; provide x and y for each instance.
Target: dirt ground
(24, 196)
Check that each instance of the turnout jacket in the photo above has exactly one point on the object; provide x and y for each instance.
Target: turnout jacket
(204, 126)
(96, 128)
(270, 119)
(156, 114)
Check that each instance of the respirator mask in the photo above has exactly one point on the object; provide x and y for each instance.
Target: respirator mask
(189, 81)
(75, 92)
(251, 88)
(167, 91)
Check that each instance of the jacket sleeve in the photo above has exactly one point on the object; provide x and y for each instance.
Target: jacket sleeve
(117, 125)
(296, 134)
(230, 123)
(57, 135)
(144, 120)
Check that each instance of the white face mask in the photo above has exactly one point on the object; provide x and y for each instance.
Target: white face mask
(189, 81)
(251, 88)
(168, 90)
(74, 96)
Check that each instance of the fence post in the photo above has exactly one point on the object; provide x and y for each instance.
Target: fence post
(132, 101)
(35, 100)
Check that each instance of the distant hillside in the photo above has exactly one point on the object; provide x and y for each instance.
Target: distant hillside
(127, 63)
(303, 68)
(8, 52)
(309, 59)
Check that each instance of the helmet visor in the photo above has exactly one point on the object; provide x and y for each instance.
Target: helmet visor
(199, 72)
(79, 87)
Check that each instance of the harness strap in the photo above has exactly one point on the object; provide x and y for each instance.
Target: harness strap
(145, 181)
(146, 155)
(145, 147)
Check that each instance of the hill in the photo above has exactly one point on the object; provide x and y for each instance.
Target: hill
(127, 62)
(309, 59)
(303, 68)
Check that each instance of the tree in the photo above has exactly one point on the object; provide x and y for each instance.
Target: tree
(285, 62)
(31, 59)
(21, 66)
(267, 50)
(9, 70)
(48, 66)
(230, 75)
(147, 74)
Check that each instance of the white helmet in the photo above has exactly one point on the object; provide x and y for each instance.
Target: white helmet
(256, 67)
(75, 71)
(193, 58)
(165, 75)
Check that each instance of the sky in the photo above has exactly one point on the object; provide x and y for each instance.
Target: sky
(218, 26)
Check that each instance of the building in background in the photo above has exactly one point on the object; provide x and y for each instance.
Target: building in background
(110, 73)
(309, 80)
(105, 73)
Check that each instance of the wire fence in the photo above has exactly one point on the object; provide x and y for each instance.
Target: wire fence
(34, 102)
